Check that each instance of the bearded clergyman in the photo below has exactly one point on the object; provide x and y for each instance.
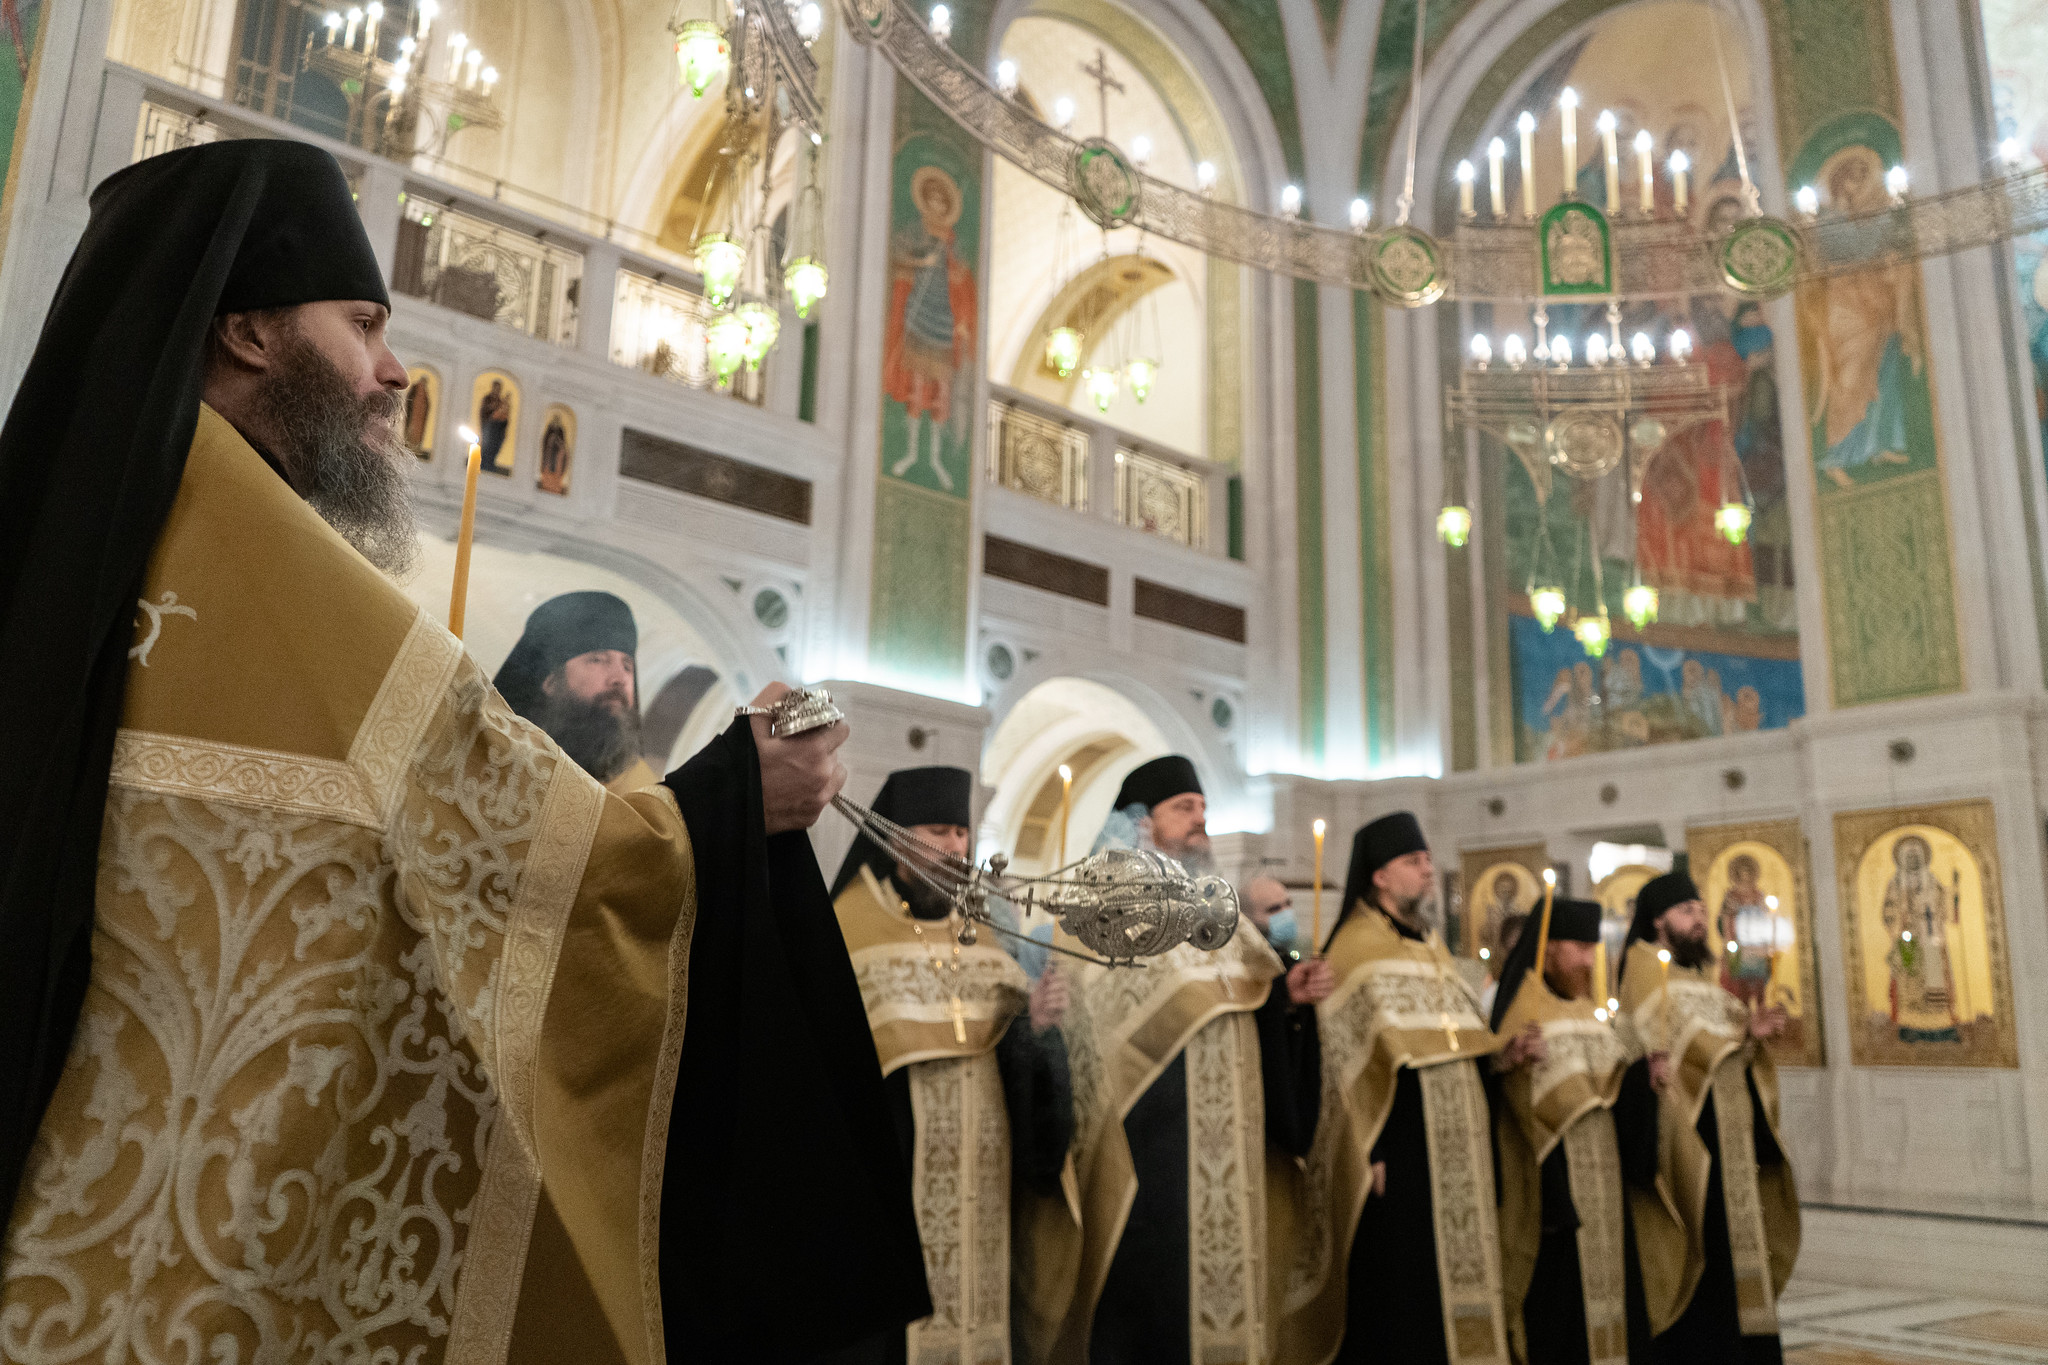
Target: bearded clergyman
(1397, 1258)
(977, 1073)
(346, 1018)
(1568, 1258)
(1186, 1072)
(576, 674)
(1711, 1280)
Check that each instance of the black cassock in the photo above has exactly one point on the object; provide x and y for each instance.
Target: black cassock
(1709, 1331)
(1554, 1312)
(1142, 1316)
(1040, 1101)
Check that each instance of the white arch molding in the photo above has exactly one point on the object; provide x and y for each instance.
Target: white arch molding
(1414, 380)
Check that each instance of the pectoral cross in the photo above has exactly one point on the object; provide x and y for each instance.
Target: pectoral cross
(959, 1021)
(1450, 1031)
(1098, 71)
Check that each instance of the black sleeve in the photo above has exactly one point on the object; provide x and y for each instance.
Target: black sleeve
(1635, 1125)
(1040, 1097)
(782, 1151)
(1768, 1153)
(1291, 1065)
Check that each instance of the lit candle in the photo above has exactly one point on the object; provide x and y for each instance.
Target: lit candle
(1680, 163)
(1608, 126)
(1465, 177)
(1664, 963)
(1543, 928)
(458, 599)
(1600, 972)
(1649, 175)
(1496, 178)
(1527, 125)
(1771, 909)
(1066, 806)
(1568, 109)
(1315, 932)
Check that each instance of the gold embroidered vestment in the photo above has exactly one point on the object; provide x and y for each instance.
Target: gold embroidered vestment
(387, 996)
(960, 1170)
(1705, 1031)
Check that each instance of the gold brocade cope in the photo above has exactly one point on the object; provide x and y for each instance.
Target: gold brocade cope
(387, 996)
(960, 1168)
(1123, 1028)
(637, 777)
(1705, 1030)
(1565, 1098)
(1388, 1011)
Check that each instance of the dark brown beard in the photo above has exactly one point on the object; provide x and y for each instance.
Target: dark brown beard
(1689, 952)
(602, 741)
(925, 900)
(343, 452)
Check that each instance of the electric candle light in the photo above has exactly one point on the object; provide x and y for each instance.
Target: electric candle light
(1607, 125)
(458, 599)
(1496, 178)
(1465, 176)
(1361, 215)
(1647, 173)
(1596, 350)
(1315, 932)
(355, 17)
(1101, 385)
(1290, 201)
(942, 23)
(1568, 110)
(1063, 113)
(1644, 349)
(2010, 153)
(1680, 163)
(1141, 151)
(427, 12)
(1895, 184)
(1006, 78)
(1526, 125)
(1205, 177)
(457, 44)
(374, 12)
(489, 77)
(1807, 199)
(1513, 351)
(1681, 345)
(474, 60)
(333, 22)
(1482, 350)
(810, 22)
(1561, 352)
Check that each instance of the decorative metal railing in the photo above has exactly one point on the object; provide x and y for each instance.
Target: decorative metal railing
(658, 328)
(1037, 455)
(1161, 497)
(473, 265)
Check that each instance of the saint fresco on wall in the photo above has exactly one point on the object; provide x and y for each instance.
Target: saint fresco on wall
(929, 350)
(1924, 937)
(1498, 882)
(2016, 42)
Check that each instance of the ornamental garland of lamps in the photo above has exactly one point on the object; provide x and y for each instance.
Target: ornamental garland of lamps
(348, 47)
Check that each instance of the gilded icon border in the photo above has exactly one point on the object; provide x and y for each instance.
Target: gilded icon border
(1786, 838)
(1974, 824)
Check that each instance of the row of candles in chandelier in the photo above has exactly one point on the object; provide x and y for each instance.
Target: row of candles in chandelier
(1557, 351)
(1678, 165)
(465, 63)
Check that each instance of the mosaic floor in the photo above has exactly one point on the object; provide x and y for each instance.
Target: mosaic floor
(1828, 1325)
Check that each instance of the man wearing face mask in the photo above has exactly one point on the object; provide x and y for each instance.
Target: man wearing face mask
(1187, 1074)
(976, 1070)
(1269, 905)
(1712, 1280)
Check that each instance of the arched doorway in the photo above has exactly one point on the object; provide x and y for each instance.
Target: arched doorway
(1097, 732)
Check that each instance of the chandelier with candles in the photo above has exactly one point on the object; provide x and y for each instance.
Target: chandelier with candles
(763, 53)
(404, 97)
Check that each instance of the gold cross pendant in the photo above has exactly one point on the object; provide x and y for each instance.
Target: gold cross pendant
(1450, 1032)
(959, 1021)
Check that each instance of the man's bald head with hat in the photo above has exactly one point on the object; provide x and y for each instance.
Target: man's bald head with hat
(1175, 811)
